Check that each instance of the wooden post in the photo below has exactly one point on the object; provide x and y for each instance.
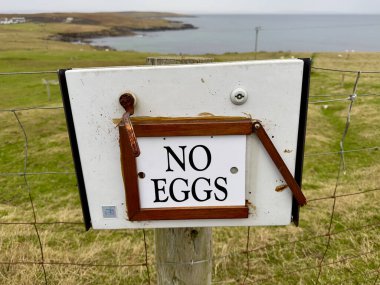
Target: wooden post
(46, 82)
(183, 255)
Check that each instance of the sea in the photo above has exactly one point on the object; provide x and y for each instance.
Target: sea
(237, 33)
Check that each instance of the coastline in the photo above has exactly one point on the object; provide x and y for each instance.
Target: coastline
(80, 28)
(85, 37)
(115, 32)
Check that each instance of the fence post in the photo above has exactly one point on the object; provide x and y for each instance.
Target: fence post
(183, 255)
(46, 82)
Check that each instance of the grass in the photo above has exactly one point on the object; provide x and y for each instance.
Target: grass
(277, 255)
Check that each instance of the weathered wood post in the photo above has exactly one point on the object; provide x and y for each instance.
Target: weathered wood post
(183, 255)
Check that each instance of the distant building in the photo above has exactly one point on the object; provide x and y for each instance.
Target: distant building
(18, 20)
(14, 20)
(4, 21)
(69, 20)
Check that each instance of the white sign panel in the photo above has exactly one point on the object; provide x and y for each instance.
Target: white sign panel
(192, 171)
(274, 90)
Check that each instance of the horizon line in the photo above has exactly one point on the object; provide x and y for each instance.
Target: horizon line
(190, 13)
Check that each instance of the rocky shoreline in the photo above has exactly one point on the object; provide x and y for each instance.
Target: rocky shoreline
(85, 37)
(81, 28)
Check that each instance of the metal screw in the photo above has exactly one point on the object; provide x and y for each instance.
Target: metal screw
(257, 126)
(239, 96)
(128, 101)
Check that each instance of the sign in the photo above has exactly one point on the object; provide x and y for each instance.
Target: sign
(183, 156)
(275, 93)
(191, 171)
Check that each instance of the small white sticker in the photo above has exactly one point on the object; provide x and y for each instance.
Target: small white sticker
(109, 211)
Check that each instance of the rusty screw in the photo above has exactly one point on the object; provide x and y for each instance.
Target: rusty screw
(128, 100)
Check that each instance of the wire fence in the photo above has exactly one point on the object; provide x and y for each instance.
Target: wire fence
(322, 260)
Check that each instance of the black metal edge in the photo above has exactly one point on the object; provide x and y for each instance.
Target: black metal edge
(74, 147)
(301, 134)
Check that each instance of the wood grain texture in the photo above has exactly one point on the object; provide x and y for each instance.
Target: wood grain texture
(184, 256)
(280, 164)
(130, 175)
(129, 172)
(229, 212)
(156, 127)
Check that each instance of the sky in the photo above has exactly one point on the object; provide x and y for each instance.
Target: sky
(196, 6)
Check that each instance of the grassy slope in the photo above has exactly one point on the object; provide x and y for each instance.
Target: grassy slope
(134, 19)
(85, 24)
(56, 198)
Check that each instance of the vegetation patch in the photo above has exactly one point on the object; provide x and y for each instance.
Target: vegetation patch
(271, 255)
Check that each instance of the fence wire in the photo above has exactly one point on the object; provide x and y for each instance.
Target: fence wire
(248, 275)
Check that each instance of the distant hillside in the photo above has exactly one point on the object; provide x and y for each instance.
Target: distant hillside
(106, 23)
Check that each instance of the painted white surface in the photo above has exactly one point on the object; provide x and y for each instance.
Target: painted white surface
(154, 163)
(274, 90)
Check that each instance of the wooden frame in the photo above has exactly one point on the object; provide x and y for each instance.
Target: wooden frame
(164, 127)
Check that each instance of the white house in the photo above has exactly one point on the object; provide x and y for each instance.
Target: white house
(14, 20)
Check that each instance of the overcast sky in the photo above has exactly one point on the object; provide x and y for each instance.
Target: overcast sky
(195, 6)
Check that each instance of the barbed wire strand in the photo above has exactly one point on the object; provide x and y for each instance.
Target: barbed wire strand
(374, 148)
(32, 108)
(343, 195)
(43, 223)
(346, 70)
(37, 173)
(30, 195)
(27, 72)
(340, 100)
(329, 101)
(60, 263)
(343, 95)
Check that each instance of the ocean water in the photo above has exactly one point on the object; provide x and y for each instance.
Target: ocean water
(236, 33)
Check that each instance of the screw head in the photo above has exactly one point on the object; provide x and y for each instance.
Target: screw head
(239, 96)
(128, 101)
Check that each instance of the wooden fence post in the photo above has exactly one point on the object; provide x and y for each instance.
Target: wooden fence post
(183, 255)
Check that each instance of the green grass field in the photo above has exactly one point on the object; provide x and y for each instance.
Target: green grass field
(277, 255)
